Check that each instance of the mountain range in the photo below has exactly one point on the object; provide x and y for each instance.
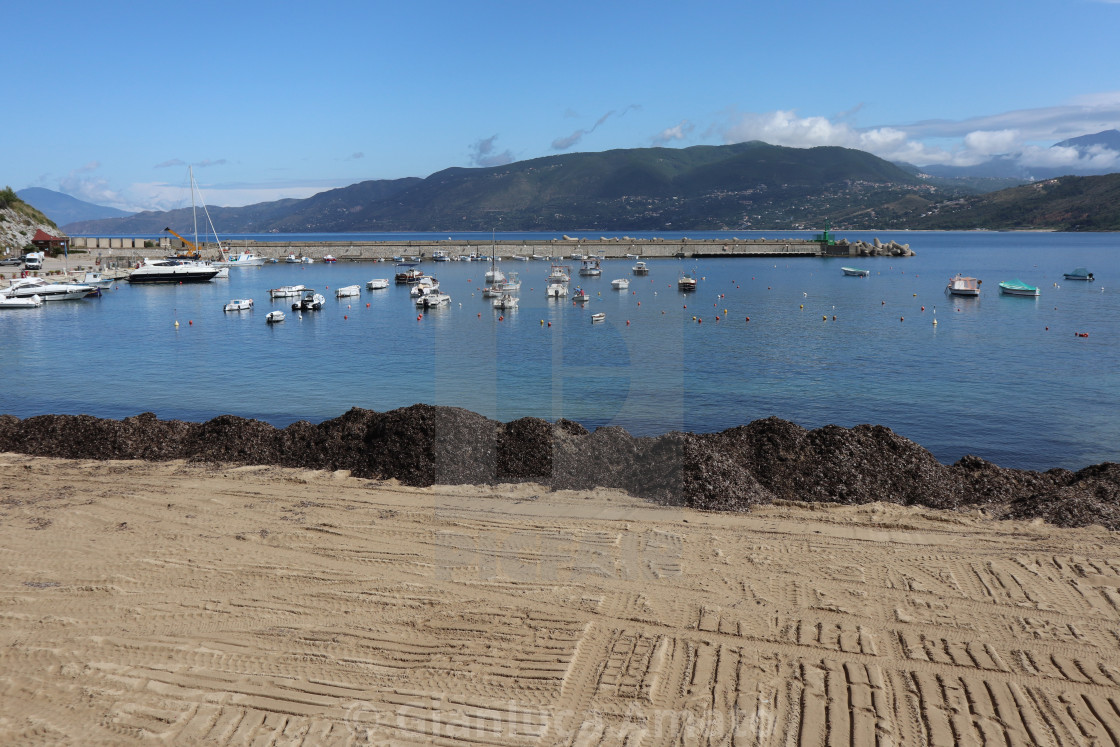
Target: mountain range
(746, 185)
(63, 209)
(738, 187)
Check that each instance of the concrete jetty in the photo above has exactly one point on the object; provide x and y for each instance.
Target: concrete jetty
(822, 245)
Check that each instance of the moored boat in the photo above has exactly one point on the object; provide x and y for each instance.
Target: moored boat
(273, 317)
(348, 291)
(241, 259)
(286, 291)
(506, 301)
(329, 259)
(686, 282)
(855, 272)
(309, 301)
(240, 304)
(620, 284)
(46, 290)
(172, 271)
(17, 302)
(1080, 273)
(598, 317)
(407, 273)
(590, 267)
(959, 285)
(580, 296)
(640, 268)
(377, 284)
(431, 298)
(1017, 288)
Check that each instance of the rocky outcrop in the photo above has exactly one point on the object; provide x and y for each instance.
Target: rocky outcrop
(763, 461)
(878, 249)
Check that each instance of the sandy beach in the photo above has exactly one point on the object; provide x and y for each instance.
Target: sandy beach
(195, 603)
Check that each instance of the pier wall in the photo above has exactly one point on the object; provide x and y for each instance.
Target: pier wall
(356, 251)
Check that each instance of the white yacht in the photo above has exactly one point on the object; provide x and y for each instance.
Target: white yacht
(172, 271)
(46, 290)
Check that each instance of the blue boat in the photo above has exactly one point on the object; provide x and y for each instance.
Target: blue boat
(1079, 274)
(1017, 288)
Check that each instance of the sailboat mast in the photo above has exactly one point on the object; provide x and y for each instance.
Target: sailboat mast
(194, 214)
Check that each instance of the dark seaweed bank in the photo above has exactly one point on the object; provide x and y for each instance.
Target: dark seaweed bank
(767, 460)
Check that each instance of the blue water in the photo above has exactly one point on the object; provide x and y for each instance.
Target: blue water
(1003, 378)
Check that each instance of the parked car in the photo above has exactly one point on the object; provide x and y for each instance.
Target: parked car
(11, 261)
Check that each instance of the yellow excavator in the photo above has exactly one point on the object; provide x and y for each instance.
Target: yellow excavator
(192, 252)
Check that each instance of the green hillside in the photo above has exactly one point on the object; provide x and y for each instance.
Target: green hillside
(1068, 203)
(747, 185)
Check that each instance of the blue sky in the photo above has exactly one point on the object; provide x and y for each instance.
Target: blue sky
(111, 101)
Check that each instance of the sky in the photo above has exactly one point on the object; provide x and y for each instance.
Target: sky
(112, 101)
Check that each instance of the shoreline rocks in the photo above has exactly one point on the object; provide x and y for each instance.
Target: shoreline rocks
(764, 461)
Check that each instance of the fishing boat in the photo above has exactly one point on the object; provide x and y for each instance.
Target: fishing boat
(620, 284)
(959, 285)
(407, 273)
(640, 268)
(494, 274)
(99, 281)
(580, 296)
(440, 256)
(286, 291)
(1017, 288)
(329, 259)
(556, 290)
(1080, 273)
(590, 267)
(348, 291)
(855, 272)
(598, 317)
(240, 304)
(559, 274)
(686, 282)
(377, 284)
(506, 301)
(273, 317)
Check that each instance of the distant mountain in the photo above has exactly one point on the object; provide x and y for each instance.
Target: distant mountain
(1108, 139)
(63, 209)
(1068, 203)
(746, 185)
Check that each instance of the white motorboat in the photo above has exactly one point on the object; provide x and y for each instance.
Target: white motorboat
(640, 268)
(172, 271)
(377, 284)
(512, 284)
(425, 284)
(16, 302)
(440, 256)
(292, 259)
(598, 317)
(430, 299)
(556, 290)
(620, 284)
(590, 267)
(46, 290)
(506, 301)
(309, 301)
(407, 273)
(580, 296)
(242, 259)
(273, 317)
(286, 291)
(686, 282)
(348, 291)
(329, 258)
(240, 304)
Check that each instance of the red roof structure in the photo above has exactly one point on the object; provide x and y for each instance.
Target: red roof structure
(43, 240)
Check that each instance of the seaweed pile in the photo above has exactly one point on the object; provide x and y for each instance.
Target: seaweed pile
(766, 460)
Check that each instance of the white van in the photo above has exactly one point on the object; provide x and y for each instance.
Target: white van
(33, 261)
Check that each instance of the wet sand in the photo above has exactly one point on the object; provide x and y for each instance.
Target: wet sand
(178, 602)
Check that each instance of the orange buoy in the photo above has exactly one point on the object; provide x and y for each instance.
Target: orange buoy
(748, 318)
(190, 322)
(501, 318)
(345, 317)
(419, 317)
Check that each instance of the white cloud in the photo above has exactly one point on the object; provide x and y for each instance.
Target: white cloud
(677, 132)
(1023, 134)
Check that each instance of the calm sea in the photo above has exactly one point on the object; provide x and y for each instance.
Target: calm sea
(1007, 379)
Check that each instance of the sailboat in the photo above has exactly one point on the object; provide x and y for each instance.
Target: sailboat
(194, 254)
(494, 275)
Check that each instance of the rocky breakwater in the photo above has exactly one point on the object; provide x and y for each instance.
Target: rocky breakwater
(878, 249)
(764, 461)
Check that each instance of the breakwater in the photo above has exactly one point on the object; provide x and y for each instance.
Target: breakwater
(564, 248)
